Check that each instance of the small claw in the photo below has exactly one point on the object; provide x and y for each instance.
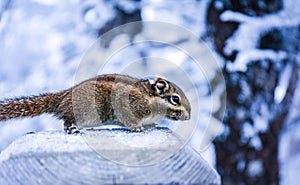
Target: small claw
(137, 129)
(72, 130)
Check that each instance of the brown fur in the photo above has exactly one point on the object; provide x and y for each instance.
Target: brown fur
(107, 98)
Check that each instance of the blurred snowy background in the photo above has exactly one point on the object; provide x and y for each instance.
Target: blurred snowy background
(255, 42)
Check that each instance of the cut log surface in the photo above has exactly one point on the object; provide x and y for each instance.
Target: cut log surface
(58, 158)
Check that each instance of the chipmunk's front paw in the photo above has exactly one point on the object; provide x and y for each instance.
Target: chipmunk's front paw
(72, 129)
(137, 128)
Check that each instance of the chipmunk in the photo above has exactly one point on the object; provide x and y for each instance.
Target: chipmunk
(134, 103)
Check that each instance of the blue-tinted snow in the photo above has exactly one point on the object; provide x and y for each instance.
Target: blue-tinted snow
(246, 37)
(283, 83)
(255, 168)
(38, 143)
(289, 145)
(168, 11)
(41, 46)
(289, 155)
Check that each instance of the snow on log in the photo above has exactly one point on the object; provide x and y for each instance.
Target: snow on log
(58, 158)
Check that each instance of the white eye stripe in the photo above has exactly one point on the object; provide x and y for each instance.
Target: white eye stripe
(152, 82)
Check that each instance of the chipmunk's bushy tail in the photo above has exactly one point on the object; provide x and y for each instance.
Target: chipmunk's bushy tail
(27, 106)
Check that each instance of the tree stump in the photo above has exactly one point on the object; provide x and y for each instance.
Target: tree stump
(58, 158)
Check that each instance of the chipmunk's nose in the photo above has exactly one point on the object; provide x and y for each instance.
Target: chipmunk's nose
(186, 115)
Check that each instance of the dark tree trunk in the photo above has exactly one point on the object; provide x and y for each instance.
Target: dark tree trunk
(235, 153)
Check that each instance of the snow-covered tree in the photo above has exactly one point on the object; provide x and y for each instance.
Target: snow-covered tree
(259, 41)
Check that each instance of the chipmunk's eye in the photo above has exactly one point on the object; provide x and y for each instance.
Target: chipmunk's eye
(175, 99)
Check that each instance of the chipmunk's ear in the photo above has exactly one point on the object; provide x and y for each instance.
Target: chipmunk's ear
(159, 86)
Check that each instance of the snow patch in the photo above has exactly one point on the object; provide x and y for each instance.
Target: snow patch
(251, 55)
(255, 168)
(256, 142)
(45, 143)
(246, 37)
(248, 131)
(283, 83)
(148, 138)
